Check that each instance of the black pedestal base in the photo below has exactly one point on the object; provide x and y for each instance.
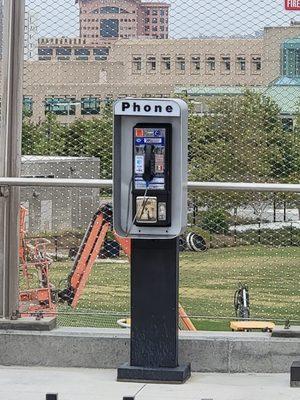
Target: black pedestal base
(180, 374)
(295, 374)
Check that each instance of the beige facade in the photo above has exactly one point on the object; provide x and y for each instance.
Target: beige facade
(71, 49)
(145, 68)
(273, 40)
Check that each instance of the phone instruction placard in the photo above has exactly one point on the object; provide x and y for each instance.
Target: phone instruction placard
(155, 140)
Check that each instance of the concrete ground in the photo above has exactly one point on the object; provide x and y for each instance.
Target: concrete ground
(32, 383)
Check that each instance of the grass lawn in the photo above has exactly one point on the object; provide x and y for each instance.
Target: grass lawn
(207, 285)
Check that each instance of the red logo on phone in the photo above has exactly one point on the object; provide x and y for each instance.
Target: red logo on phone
(139, 132)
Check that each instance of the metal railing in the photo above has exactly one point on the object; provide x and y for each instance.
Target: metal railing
(7, 183)
(107, 183)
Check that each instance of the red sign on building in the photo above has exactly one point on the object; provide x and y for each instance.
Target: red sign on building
(292, 5)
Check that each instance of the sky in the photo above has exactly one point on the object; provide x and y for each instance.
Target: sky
(188, 18)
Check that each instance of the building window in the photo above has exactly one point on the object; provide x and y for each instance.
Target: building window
(147, 20)
(210, 64)
(27, 106)
(225, 64)
(63, 53)
(60, 105)
(288, 124)
(166, 63)
(162, 12)
(90, 106)
(109, 10)
(136, 64)
(82, 54)
(154, 12)
(195, 64)
(154, 20)
(151, 63)
(180, 63)
(101, 53)
(291, 58)
(109, 28)
(45, 54)
(154, 28)
(256, 64)
(241, 64)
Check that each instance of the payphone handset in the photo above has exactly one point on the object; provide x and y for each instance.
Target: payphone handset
(151, 199)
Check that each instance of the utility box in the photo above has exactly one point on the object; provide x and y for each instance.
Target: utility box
(150, 168)
(58, 209)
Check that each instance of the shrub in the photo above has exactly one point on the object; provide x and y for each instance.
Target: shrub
(215, 221)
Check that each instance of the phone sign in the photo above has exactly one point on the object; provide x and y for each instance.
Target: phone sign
(292, 5)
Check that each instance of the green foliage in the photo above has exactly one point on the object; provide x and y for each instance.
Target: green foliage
(199, 231)
(241, 139)
(215, 221)
(81, 138)
(284, 237)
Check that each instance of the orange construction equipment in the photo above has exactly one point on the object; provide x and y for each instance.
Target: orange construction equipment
(33, 253)
(45, 298)
(88, 252)
(185, 320)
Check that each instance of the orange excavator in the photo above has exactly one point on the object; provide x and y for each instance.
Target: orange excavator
(33, 253)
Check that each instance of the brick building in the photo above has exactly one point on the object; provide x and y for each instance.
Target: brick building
(104, 21)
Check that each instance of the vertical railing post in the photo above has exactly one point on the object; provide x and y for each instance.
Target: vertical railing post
(10, 151)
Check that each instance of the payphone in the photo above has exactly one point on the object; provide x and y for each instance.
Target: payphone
(150, 206)
(150, 167)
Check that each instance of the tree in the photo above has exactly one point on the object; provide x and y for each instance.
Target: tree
(46, 138)
(81, 138)
(241, 139)
(93, 138)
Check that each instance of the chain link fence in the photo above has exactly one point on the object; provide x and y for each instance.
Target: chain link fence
(237, 64)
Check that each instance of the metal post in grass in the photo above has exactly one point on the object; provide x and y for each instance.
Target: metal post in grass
(10, 152)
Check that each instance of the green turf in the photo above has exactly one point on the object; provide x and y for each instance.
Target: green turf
(207, 284)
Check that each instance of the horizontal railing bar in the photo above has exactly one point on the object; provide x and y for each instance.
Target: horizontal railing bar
(201, 186)
(126, 314)
(56, 182)
(243, 187)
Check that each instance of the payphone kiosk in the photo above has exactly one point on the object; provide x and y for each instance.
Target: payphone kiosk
(150, 206)
(150, 168)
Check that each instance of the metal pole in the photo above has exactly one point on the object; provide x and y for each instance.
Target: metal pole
(10, 152)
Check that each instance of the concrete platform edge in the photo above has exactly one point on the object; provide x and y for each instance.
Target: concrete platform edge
(29, 324)
(109, 348)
